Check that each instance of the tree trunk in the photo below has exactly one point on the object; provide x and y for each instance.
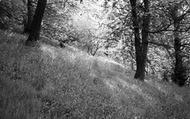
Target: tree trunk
(36, 23)
(136, 36)
(178, 78)
(30, 15)
(141, 45)
(145, 28)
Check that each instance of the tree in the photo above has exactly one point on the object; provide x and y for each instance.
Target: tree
(141, 36)
(30, 14)
(171, 25)
(36, 23)
(178, 15)
(132, 17)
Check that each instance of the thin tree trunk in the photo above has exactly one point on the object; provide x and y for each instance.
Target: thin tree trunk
(36, 23)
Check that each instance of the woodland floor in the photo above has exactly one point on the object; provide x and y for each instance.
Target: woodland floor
(47, 82)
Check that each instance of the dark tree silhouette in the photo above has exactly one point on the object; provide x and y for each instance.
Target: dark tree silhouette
(30, 14)
(36, 23)
(180, 75)
(141, 43)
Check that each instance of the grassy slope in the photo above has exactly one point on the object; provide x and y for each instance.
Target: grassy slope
(54, 83)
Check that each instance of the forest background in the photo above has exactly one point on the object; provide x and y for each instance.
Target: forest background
(116, 29)
(94, 59)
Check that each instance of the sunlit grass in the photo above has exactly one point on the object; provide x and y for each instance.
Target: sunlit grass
(54, 83)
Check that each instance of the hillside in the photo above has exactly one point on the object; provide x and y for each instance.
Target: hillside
(47, 82)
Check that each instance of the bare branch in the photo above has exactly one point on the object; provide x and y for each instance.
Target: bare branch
(160, 44)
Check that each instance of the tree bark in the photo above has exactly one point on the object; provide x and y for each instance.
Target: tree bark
(136, 36)
(141, 45)
(30, 15)
(145, 29)
(36, 23)
(178, 70)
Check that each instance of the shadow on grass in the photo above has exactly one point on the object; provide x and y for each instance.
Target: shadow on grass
(46, 82)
